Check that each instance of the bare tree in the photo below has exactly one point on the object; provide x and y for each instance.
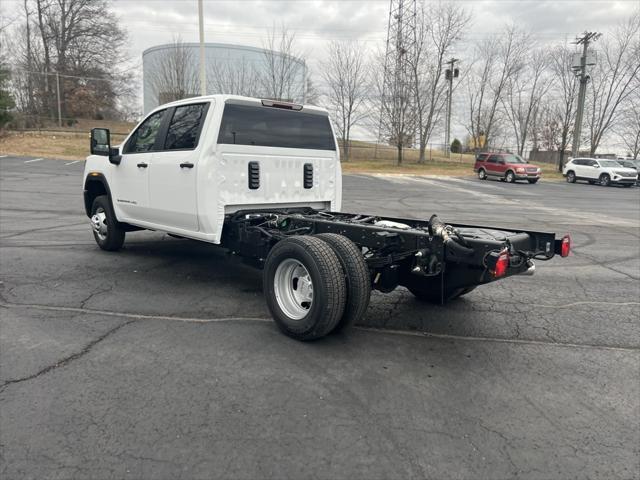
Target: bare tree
(284, 72)
(563, 95)
(629, 126)
(499, 59)
(615, 78)
(440, 26)
(235, 78)
(174, 75)
(523, 95)
(346, 75)
(79, 41)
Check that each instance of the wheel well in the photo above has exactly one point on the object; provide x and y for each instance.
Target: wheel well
(93, 189)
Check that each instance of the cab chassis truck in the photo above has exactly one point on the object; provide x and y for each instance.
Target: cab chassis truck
(262, 178)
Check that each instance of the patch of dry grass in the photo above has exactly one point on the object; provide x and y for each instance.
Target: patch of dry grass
(68, 145)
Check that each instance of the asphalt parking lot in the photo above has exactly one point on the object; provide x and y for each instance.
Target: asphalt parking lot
(160, 361)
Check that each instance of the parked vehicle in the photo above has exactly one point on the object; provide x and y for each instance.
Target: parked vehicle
(506, 167)
(631, 163)
(602, 171)
(263, 179)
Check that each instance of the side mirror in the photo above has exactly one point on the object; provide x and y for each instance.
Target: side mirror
(101, 145)
(596, 166)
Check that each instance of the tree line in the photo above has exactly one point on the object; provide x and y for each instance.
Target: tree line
(65, 56)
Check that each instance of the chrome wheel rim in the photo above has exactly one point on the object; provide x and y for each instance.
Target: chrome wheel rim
(604, 181)
(99, 223)
(293, 289)
(510, 177)
(481, 174)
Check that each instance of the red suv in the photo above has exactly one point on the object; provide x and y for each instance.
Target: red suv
(506, 167)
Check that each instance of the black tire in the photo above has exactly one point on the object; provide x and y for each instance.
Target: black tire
(605, 180)
(533, 180)
(510, 177)
(328, 282)
(571, 176)
(357, 277)
(113, 238)
(482, 174)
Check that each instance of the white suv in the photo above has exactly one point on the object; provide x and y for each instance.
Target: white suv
(602, 171)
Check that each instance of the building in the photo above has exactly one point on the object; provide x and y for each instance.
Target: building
(171, 72)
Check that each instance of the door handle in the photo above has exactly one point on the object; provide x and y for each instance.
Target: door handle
(186, 165)
(142, 165)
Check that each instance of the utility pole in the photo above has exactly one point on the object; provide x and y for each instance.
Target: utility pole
(203, 73)
(449, 75)
(581, 72)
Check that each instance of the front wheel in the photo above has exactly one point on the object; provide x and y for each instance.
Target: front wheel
(511, 178)
(533, 180)
(107, 231)
(482, 175)
(605, 180)
(304, 286)
(571, 177)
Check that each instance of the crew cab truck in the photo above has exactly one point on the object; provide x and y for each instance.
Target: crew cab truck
(262, 178)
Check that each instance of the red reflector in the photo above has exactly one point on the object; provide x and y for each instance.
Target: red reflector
(565, 247)
(501, 264)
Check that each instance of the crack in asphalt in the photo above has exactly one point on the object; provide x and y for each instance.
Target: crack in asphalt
(443, 336)
(67, 360)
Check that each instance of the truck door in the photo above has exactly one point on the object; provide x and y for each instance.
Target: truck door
(130, 179)
(172, 180)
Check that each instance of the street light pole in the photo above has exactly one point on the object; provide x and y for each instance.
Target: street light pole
(203, 73)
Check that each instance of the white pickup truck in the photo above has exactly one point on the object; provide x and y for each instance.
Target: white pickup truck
(262, 178)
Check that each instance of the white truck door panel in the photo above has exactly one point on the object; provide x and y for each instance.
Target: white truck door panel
(173, 178)
(130, 185)
(172, 190)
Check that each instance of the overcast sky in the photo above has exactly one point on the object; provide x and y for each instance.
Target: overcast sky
(315, 22)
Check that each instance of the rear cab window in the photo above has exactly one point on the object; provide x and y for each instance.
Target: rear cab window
(184, 129)
(275, 127)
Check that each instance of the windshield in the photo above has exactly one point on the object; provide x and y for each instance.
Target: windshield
(513, 159)
(609, 163)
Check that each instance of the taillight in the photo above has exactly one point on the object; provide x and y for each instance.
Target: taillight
(565, 246)
(502, 263)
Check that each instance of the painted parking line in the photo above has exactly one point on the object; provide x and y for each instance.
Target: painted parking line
(71, 163)
(34, 160)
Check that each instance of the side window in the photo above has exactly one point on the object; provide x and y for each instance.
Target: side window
(185, 126)
(144, 137)
(493, 159)
(578, 162)
(590, 163)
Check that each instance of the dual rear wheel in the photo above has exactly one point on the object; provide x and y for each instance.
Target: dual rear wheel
(316, 285)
